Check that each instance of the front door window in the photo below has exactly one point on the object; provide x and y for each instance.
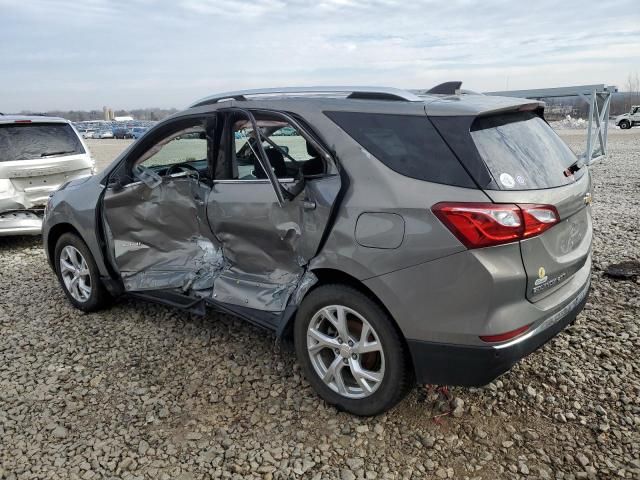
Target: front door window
(289, 153)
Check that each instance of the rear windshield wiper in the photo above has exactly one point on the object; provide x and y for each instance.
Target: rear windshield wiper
(574, 167)
(61, 152)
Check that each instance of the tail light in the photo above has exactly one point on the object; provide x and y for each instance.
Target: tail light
(479, 225)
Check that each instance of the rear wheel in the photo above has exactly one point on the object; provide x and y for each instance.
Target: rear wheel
(78, 274)
(350, 351)
(625, 124)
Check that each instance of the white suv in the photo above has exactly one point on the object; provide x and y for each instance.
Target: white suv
(628, 120)
(37, 155)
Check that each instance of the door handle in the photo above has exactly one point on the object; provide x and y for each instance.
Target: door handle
(308, 204)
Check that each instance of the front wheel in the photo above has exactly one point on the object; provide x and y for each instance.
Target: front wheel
(624, 124)
(78, 274)
(350, 351)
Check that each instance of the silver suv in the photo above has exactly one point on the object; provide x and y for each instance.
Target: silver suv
(37, 155)
(398, 238)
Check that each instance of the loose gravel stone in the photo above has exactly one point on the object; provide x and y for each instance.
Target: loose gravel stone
(144, 391)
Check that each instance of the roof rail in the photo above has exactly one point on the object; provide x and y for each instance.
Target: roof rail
(369, 93)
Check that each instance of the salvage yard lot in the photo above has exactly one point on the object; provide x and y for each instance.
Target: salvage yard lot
(145, 391)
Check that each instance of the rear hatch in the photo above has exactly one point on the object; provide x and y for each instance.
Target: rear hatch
(515, 157)
(37, 157)
(531, 165)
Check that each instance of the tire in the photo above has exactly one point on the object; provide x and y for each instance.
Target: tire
(624, 124)
(389, 362)
(96, 297)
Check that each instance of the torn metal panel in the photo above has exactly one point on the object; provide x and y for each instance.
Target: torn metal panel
(193, 266)
(307, 281)
(160, 237)
(252, 291)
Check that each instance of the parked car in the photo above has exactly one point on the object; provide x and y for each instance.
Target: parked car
(137, 132)
(628, 120)
(122, 133)
(88, 134)
(37, 155)
(104, 134)
(436, 238)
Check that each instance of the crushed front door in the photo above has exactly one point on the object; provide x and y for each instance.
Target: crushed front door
(156, 227)
(159, 238)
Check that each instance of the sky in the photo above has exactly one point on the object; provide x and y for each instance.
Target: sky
(83, 54)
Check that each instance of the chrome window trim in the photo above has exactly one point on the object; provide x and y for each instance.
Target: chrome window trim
(254, 180)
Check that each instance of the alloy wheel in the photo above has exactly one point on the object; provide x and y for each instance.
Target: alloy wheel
(75, 273)
(345, 351)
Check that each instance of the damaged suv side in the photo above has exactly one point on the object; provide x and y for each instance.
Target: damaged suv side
(340, 219)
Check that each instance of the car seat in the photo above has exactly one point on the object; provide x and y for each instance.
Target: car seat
(276, 159)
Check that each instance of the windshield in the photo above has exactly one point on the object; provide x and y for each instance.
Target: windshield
(523, 152)
(32, 141)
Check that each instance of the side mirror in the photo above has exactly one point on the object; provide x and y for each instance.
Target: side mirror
(115, 183)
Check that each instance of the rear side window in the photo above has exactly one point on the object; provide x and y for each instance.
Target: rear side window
(31, 141)
(523, 152)
(409, 145)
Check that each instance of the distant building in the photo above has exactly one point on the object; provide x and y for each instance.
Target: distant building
(107, 113)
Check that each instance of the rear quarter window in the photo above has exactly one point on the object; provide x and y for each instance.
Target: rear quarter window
(523, 152)
(31, 141)
(409, 145)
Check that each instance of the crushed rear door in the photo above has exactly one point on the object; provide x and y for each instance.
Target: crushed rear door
(268, 234)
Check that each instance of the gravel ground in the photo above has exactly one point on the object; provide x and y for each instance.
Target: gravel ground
(144, 391)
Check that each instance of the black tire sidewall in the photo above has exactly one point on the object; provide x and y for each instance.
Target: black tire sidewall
(97, 297)
(625, 125)
(393, 385)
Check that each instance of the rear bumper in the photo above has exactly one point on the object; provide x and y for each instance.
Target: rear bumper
(20, 222)
(467, 365)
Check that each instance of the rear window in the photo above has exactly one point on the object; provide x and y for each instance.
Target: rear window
(523, 152)
(31, 141)
(409, 145)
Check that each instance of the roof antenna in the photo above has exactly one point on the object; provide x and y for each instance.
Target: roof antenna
(446, 88)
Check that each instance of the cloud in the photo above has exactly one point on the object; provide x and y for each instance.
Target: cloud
(68, 54)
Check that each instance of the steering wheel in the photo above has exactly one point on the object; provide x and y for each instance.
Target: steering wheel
(185, 167)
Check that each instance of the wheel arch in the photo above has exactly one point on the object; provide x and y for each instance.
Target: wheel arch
(327, 276)
(54, 235)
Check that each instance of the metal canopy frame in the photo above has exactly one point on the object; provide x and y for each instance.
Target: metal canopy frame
(380, 93)
(599, 99)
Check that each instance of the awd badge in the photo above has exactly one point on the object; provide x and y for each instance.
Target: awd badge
(542, 276)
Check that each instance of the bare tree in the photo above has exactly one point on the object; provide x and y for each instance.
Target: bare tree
(633, 90)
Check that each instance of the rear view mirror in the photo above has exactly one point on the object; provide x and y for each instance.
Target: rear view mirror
(147, 176)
